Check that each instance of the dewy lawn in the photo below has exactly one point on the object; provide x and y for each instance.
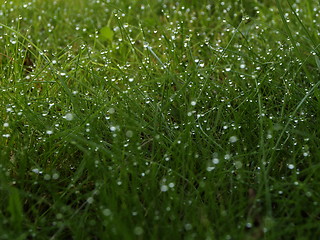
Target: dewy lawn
(159, 119)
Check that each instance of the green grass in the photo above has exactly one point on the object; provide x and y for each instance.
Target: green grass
(186, 120)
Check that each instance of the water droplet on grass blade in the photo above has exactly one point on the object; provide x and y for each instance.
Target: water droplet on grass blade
(164, 188)
(215, 160)
(129, 133)
(47, 177)
(238, 164)
(68, 117)
(248, 225)
(55, 176)
(210, 168)
(36, 171)
(188, 226)
(242, 66)
(306, 154)
(49, 132)
(111, 110)
(106, 212)
(90, 200)
(290, 166)
(233, 139)
(138, 230)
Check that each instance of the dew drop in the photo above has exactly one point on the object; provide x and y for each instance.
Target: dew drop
(111, 110)
(68, 117)
(238, 164)
(49, 132)
(138, 231)
(106, 212)
(90, 200)
(290, 166)
(36, 171)
(129, 134)
(248, 225)
(188, 226)
(233, 139)
(55, 176)
(47, 177)
(210, 168)
(164, 188)
(215, 160)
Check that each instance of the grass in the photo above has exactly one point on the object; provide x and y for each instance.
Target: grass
(159, 119)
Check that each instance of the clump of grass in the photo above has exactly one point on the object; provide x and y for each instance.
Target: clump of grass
(159, 120)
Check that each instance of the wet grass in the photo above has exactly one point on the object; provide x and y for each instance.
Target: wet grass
(159, 119)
